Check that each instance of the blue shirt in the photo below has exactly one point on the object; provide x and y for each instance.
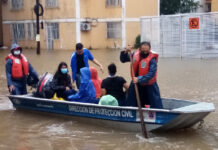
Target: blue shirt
(86, 57)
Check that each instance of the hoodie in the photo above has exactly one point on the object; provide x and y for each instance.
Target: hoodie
(96, 81)
(86, 92)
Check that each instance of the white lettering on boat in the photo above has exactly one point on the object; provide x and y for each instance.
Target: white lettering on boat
(44, 106)
(101, 111)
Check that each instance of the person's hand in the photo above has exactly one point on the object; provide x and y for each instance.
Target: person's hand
(135, 80)
(67, 88)
(11, 88)
(128, 49)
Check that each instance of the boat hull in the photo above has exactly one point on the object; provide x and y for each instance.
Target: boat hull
(126, 118)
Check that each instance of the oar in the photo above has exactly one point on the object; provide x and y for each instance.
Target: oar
(144, 132)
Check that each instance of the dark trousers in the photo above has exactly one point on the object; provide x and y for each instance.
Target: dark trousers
(149, 95)
(78, 80)
(65, 94)
(19, 88)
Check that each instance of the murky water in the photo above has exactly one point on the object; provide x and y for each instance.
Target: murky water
(184, 79)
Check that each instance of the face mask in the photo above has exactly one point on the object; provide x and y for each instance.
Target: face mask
(64, 70)
(16, 52)
(143, 55)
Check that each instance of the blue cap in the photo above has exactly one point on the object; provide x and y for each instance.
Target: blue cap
(15, 46)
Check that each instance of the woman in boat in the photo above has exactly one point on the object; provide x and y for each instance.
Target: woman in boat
(61, 83)
(86, 93)
(96, 81)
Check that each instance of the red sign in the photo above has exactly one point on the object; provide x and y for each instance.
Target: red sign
(193, 23)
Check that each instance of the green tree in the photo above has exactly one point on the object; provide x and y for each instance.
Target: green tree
(168, 7)
(137, 41)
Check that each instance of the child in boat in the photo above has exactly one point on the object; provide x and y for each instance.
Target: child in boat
(96, 81)
(86, 93)
(61, 82)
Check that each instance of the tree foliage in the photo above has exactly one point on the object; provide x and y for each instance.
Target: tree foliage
(137, 41)
(178, 6)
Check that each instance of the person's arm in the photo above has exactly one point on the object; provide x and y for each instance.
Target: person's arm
(32, 72)
(103, 91)
(69, 84)
(8, 67)
(72, 65)
(149, 75)
(55, 86)
(98, 64)
(95, 61)
(126, 86)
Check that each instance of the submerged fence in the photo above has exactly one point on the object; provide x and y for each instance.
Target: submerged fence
(186, 35)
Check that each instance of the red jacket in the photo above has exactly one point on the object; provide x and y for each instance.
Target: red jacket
(96, 81)
(20, 66)
(141, 66)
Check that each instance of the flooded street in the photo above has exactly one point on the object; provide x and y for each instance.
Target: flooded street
(195, 79)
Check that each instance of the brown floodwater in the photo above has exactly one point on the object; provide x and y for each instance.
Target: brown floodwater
(195, 79)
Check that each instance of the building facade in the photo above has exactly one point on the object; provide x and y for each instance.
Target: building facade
(214, 5)
(96, 23)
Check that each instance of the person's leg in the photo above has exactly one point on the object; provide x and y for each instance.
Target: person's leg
(154, 96)
(122, 101)
(131, 96)
(78, 80)
(68, 93)
(23, 89)
(144, 97)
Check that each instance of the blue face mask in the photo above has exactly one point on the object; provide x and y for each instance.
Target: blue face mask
(64, 70)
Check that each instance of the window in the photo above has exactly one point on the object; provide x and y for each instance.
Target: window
(18, 31)
(51, 3)
(110, 3)
(16, 4)
(53, 28)
(31, 31)
(114, 30)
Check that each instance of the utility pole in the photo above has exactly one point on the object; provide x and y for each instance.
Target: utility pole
(36, 10)
(37, 29)
(1, 31)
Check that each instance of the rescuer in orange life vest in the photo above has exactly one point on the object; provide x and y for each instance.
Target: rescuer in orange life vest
(17, 70)
(145, 69)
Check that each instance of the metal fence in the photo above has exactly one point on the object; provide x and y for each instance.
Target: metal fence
(185, 35)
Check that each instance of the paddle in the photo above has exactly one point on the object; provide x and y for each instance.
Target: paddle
(144, 132)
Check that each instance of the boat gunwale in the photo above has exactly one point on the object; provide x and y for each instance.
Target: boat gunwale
(28, 97)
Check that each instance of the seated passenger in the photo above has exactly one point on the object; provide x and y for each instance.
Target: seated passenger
(86, 93)
(61, 82)
(113, 85)
(96, 81)
(108, 100)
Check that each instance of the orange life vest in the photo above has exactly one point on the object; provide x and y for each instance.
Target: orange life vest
(20, 66)
(142, 65)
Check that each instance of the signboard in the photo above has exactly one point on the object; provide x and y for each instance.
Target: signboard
(193, 23)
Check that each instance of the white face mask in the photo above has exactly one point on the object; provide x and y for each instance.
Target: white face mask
(17, 52)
